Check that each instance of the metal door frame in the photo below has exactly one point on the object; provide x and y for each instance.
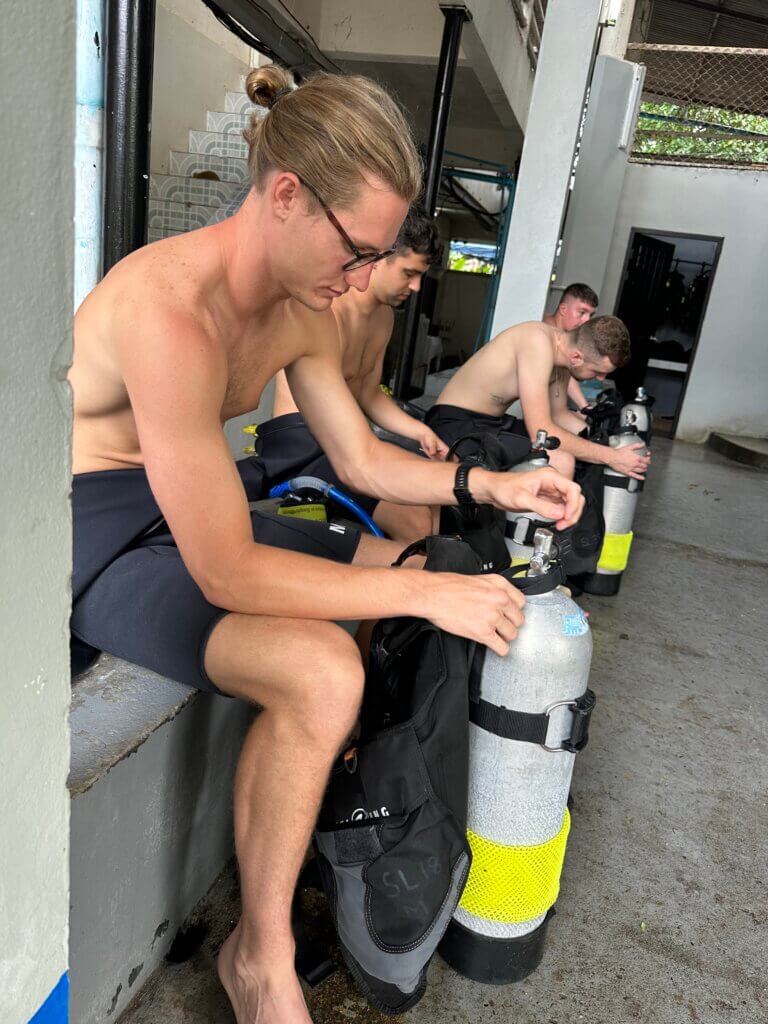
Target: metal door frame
(667, 234)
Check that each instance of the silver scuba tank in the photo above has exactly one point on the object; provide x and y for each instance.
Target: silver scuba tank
(520, 525)
(638, 414)
(619, 504)
(529, 714)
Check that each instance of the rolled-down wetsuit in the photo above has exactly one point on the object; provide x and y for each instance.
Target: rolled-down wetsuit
(132, 594)
(451, 423)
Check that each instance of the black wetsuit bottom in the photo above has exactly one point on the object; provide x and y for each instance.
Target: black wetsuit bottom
(132, 594)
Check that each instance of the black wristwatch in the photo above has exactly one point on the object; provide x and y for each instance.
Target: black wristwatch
(461, 483)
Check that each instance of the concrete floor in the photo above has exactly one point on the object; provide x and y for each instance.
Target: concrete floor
(663, 911)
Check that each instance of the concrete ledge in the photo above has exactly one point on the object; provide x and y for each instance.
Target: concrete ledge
(151, 823)
(749, 451)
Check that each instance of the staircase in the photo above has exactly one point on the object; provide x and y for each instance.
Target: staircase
(206, 183)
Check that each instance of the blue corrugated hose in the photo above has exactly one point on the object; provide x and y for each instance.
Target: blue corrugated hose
(316, 484)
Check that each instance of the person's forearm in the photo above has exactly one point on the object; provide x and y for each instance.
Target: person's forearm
(390, 473)
(386, 413)
(267, 581)
(587, 451)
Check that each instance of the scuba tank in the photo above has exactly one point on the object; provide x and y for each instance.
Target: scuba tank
(638, 414)
(520, 526)
(619, 504)
(529, 715)
(391, 840)
(579, 545)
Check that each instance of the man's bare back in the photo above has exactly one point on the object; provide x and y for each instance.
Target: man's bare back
(489, 383)
(251, 349)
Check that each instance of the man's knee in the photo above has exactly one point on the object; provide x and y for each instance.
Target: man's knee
(329, 689)
(404, 523)
(563, 462)
(305, 671)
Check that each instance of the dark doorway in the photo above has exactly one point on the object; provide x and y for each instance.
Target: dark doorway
(663, 298)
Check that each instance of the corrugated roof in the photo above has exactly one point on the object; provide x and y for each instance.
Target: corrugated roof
(742, 23)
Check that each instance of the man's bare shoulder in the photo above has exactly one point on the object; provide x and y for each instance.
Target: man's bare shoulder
(313, 331)
(165, 278)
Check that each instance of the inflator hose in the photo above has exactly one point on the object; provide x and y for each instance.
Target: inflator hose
(329, 491)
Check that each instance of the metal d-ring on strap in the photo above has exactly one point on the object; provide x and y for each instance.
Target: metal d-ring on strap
(533, 728)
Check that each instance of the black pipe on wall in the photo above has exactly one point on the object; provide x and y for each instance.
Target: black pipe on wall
(130, 32)
(455, 16)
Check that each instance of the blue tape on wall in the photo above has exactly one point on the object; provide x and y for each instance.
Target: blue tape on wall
(55, 1009)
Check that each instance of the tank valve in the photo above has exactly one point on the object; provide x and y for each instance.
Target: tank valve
(544, 442)
(642, 395)
(542, 552)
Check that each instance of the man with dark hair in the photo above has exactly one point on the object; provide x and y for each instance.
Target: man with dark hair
(534, 362)
(365, 320)
(577, 305)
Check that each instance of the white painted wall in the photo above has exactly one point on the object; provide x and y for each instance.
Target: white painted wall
(36, 287)
(196, 61)
(728, 384)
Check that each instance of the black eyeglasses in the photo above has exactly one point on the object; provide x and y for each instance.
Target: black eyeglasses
(362, 259)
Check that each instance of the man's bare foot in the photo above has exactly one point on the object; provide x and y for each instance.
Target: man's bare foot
(260, 997)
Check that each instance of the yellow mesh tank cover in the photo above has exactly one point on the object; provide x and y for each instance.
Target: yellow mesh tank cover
(512, 884)
(615, 553)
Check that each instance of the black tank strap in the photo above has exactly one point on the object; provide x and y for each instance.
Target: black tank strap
(624, 482)
(524, 726)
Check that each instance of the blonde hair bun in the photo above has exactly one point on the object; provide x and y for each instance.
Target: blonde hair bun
(264, 84)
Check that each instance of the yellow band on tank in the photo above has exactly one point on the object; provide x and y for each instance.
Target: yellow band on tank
(309, 511)
(512, 884)
(519, 561)
(615, 553)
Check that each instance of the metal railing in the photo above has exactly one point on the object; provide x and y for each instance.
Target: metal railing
(530, 16)
(702, 105)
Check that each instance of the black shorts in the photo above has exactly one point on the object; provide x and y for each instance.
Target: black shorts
(285, 448)
(452, 423)
(132, 594)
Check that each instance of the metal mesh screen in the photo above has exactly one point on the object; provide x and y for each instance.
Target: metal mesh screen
(702, 104)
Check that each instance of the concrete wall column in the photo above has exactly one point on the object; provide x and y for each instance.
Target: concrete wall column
(553, 123)
(36, 289)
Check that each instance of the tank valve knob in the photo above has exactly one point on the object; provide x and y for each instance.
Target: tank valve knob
(542, 552)
(544, 442)
(642, 395)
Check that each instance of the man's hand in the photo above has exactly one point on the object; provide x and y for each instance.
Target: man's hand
(432, 446)
(487, 609)
(543, 491)
(631, 460)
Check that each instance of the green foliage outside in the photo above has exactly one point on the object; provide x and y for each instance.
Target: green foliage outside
(469, 264)
(678, 140)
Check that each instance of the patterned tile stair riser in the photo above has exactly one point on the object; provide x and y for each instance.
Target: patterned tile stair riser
(228, 168)
(218, 144)
(166, 216)
(198, 191)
